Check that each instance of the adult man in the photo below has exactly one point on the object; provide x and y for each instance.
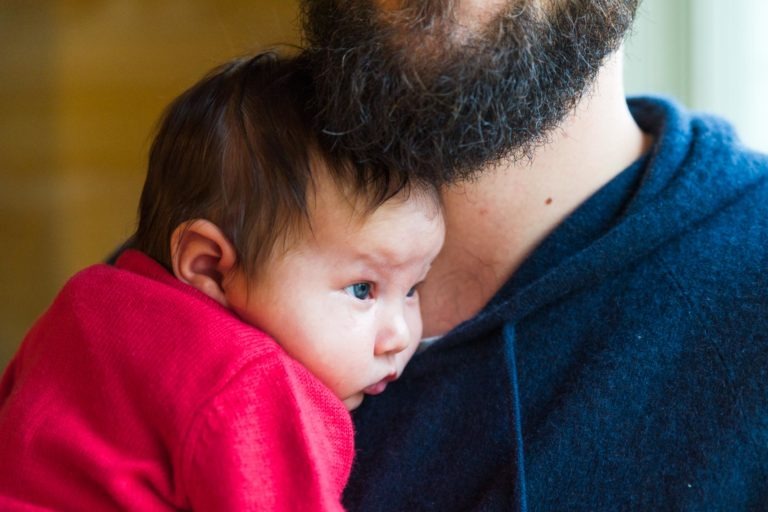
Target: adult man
(600, 301)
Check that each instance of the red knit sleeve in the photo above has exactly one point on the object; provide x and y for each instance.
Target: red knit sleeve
(273, 438)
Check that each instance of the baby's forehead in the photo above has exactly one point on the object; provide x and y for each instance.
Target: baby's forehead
(359, 189)
(340, 211)
(407, 229)
(370, 226)
(341, 219)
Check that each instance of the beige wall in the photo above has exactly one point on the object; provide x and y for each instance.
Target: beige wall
(82, 84)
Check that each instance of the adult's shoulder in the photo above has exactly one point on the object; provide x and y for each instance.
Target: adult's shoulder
(708, 194)
(718, 264)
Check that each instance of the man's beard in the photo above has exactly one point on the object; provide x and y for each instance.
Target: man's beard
(408, 91)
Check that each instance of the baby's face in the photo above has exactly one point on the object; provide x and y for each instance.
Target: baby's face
(344, 300)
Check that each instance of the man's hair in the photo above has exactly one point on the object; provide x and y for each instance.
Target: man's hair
(238, 149)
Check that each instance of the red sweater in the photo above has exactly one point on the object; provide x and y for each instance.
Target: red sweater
(134, 391)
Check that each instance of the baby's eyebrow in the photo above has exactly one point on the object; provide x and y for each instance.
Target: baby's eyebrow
(375, 259)
(385, 257)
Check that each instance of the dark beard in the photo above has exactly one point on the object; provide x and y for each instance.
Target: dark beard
(401, 94)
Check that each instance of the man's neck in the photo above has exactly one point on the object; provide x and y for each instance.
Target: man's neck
(494, 223)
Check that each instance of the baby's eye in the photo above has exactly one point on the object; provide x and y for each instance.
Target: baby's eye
(411, 292)
(360, 291)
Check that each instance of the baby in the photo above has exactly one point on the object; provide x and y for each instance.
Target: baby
(271, 284)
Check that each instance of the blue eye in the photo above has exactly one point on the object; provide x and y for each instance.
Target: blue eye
(411, 292)
(360, 291)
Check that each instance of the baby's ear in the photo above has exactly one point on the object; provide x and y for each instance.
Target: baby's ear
(203, 257)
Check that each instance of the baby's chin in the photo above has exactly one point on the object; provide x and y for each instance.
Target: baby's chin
(354, 401)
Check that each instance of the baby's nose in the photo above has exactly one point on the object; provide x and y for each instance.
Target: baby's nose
(394, 337)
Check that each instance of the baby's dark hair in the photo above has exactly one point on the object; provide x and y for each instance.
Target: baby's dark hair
(238, 149)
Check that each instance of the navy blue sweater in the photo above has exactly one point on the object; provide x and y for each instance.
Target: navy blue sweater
(623, 367)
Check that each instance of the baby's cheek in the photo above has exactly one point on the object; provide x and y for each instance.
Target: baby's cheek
(407, 354)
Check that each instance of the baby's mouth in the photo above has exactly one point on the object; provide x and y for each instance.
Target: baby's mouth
(379, 387)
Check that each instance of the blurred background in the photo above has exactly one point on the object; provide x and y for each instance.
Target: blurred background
(82, 83)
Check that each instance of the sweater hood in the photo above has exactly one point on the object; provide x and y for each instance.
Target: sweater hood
(688, 177)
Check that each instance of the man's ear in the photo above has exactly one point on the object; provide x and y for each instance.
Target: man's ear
(203, 257)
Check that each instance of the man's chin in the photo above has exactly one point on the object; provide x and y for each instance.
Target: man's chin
(441, 113)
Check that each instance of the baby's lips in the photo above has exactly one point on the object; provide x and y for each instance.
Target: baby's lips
(379, 387)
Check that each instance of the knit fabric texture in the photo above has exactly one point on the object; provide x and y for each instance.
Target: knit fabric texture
(135, 391)
(623, 367)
